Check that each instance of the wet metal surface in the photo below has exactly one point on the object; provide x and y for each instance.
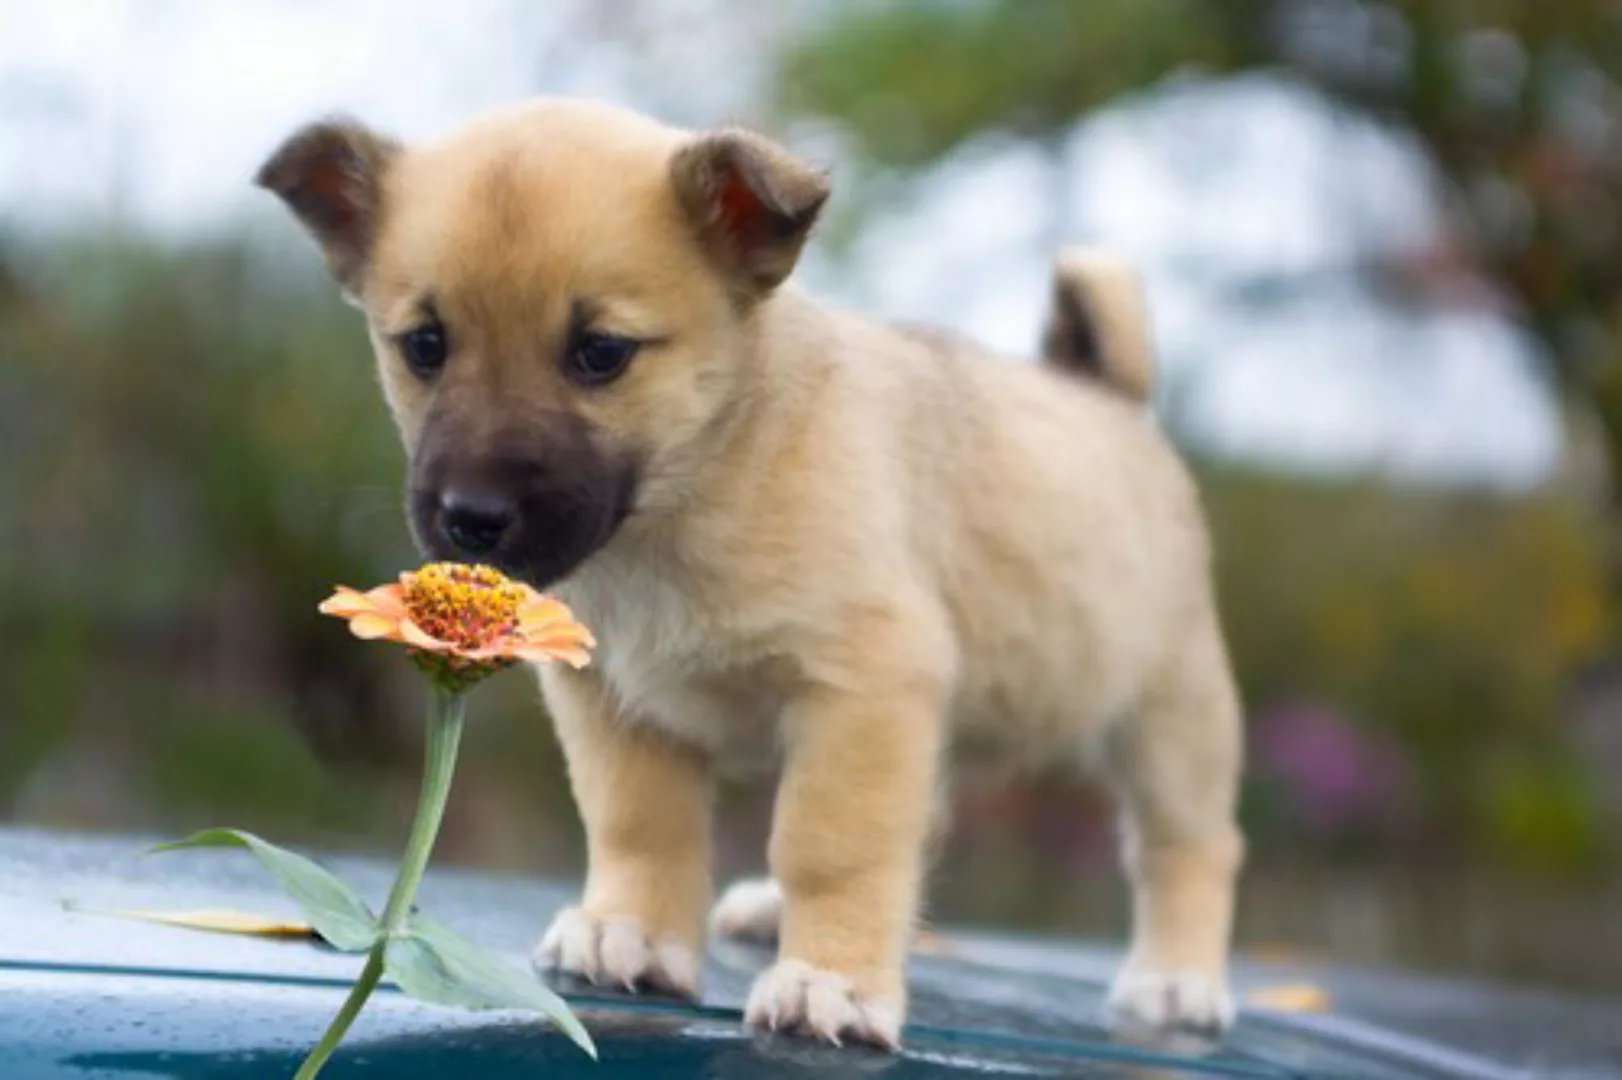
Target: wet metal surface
(84, 995)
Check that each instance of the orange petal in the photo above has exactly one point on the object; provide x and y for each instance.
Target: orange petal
(347, 603)
(553, 626)
(344, 602)
(571, 636)
(388, 600)
(546, 654)
(542, 611)
(501, 650)
(372, 626)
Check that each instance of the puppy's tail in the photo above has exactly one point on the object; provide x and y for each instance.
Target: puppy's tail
(1096, 326)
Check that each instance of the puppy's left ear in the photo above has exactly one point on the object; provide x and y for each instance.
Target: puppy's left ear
(752, 203)
(330, 174)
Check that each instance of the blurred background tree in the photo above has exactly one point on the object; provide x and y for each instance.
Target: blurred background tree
(1515, 104)
(192, 447)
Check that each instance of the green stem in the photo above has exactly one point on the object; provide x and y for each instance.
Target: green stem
(445, 715)
(340, 1024)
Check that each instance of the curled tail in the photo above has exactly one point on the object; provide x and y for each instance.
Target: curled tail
(1096, 326)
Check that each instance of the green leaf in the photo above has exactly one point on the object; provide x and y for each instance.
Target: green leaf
(432, 964)
(332, 907)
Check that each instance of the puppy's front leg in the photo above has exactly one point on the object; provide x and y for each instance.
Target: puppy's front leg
(847, 847)
(645, 803)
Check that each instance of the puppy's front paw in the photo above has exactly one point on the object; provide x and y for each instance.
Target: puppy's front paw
(749, 909)
(616, 950)
(793, 996)
(1166, 1001)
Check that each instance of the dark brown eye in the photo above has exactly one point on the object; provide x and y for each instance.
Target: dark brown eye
(424, 349)
(595, 359)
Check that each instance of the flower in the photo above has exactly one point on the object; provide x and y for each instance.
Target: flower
(1339, 776)
(459, 624)
(462, 623)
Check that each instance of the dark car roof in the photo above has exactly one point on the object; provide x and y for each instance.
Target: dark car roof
(86, 994)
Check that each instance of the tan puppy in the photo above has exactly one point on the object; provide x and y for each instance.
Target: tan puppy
(794, 532)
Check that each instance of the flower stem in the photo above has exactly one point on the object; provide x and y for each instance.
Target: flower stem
(346, 1015)
(446, 711)
(445, 714)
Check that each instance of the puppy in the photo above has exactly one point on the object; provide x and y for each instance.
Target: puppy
(797, 534)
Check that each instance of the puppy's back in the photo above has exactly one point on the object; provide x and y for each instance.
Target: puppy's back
(1058, 525)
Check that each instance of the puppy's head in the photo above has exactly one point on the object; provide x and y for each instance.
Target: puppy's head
(561, 299)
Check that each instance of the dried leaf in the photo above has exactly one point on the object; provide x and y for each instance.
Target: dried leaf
(213, 920)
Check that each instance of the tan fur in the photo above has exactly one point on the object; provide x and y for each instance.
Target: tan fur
(1096, 325)
(851, 544)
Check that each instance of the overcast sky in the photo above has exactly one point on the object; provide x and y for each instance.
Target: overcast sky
(156, 112)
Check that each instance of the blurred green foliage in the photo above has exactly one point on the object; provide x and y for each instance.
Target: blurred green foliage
(1447, 627)
(913, 80)
(193, 452)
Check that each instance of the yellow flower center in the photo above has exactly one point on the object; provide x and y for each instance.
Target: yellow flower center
(468, 606)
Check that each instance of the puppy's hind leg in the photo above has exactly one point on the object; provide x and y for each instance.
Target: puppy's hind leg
(751, 908)
(1175, 770)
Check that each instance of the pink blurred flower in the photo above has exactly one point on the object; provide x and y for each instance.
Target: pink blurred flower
(1338, 776)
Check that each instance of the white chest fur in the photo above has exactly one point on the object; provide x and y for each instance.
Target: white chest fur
(672, 660)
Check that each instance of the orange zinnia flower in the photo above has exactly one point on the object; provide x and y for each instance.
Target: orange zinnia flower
(462, 623)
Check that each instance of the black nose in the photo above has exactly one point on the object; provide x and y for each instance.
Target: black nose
(475, 520)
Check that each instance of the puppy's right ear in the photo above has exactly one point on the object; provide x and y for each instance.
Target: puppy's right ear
(330, 174)
(752, 203)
